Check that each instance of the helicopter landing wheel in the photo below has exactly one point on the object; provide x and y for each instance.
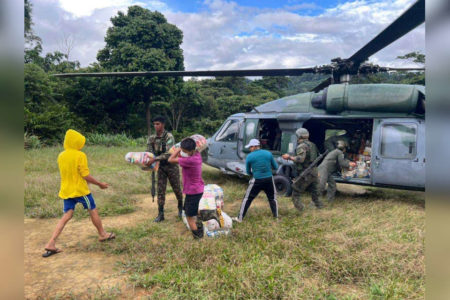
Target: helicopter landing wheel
(282, 185)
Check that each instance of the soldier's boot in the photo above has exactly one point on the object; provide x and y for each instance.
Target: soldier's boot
(330, 196)
(298, 204)
(318, 203)
(160, 216)
(180, 209)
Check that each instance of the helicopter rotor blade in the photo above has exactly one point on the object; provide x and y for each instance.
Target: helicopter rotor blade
(409, 20)
(401, 69)
(215, 73)
(323, 85)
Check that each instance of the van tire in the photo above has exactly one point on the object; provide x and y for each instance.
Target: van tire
(282, 185)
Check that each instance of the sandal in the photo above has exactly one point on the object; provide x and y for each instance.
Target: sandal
(110, 237)
(50, 252)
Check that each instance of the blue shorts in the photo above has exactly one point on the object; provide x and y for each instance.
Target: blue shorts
(87, 201)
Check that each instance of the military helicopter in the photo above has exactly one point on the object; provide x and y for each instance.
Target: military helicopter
(389, 118)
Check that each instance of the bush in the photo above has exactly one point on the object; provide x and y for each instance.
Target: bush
(110, 140)
(31, 141)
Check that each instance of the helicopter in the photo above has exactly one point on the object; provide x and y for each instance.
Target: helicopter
(388, 118)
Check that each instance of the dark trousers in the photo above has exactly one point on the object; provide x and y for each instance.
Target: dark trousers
(254, 187)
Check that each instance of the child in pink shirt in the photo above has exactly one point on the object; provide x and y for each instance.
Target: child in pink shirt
(190, 161)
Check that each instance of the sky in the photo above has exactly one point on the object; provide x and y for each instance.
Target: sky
(245, 34)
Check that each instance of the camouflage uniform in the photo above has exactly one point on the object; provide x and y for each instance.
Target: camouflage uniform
(306, 153)
(159, 147)
(330, 165)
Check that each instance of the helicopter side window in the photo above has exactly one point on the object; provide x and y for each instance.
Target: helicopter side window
(229, 132)
(398, 141)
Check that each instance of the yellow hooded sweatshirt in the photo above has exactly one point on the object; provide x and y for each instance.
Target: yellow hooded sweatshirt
(73, 166)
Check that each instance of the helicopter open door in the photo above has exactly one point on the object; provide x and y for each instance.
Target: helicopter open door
(398, 153)
(266, 130)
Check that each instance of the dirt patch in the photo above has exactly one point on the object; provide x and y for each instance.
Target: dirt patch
(80, 273)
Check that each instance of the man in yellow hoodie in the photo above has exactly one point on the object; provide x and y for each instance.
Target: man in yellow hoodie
(75, 176)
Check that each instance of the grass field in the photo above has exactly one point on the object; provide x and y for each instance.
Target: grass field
(368, 246)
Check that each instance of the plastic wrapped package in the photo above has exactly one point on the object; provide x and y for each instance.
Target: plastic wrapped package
(215, 221)
(200, 143)
(141, 159)
(362, 171)
(212, 227)
(363, 158)
(348, 173)
(212, 198)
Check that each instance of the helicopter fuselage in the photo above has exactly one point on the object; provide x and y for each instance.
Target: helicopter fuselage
(388, 117)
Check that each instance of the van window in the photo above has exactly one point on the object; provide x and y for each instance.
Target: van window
(229, 132)
(398, 140)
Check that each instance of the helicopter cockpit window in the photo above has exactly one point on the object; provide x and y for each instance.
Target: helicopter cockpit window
(229, 132)
(399, 141)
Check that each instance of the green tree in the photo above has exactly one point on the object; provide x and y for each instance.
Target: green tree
(183, 104)
(416, 57)
(142, 40)
(276, 84)
(33, 43)
(29, 35)
(44, 116)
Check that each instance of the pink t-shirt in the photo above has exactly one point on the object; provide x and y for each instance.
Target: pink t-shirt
(191, 168)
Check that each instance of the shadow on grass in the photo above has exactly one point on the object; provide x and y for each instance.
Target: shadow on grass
(385, 194)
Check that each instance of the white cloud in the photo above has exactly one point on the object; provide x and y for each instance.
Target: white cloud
(225, 35)
(83, 8)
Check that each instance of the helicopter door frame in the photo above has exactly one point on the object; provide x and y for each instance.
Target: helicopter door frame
(398, 153)
(249, 131)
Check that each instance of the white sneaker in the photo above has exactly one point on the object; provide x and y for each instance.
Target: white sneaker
(235, 219)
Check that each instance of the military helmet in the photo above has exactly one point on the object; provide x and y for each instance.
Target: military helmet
(302, 133)
(341, 145)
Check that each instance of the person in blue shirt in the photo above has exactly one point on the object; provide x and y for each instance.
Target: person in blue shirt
(259, 164)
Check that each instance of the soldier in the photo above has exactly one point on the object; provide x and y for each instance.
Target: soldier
(159, 144)
(330, 164)
(352, 140)
(306, 153)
